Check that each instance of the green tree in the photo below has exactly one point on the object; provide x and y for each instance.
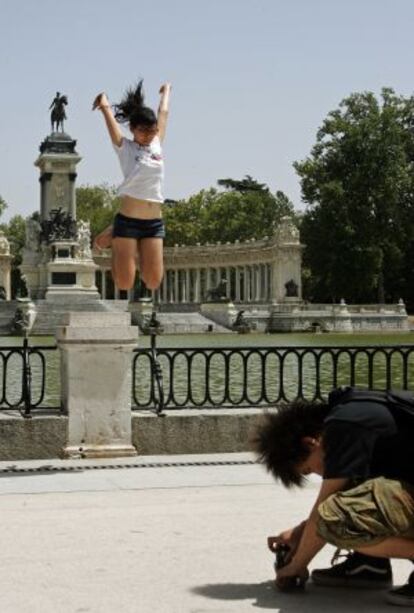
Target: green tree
(97, 204)
(238, 213)
(358, 183)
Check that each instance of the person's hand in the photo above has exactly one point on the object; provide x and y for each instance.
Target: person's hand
(285, 576)
(100, 101)
(165, 88)
(288, 537)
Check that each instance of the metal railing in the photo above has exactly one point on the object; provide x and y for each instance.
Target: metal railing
(23, 377)
(228, 377)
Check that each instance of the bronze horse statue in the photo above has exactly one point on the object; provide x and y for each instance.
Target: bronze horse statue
(58, 114)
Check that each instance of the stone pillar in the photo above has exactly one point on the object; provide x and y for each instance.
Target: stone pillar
(96, 353)
(237, 282)
(183, 285)
(265, 282)
(208, 279)
(176, 294)
(116, 292)
(197, 287)
(258, 282)
(188, 285)
(164, 292)
(170, 286)
(247, 283)
(72, 194)
(228, 285)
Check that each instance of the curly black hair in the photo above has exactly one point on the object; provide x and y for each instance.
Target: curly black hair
(278, 438)
(132, 110)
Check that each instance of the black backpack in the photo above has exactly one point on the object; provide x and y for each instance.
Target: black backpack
(399, 402)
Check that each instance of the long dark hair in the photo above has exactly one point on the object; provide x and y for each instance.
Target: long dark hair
(132, 110)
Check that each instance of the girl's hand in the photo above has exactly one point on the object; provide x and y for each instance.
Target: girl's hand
(165, 88)
(100, 101)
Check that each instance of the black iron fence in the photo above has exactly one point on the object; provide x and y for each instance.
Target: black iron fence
(228, 377)
(209, 377)
(29, 381)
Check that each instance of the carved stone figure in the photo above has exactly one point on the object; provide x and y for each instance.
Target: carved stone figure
(218, 294)
(240, 324)
(84, 251)
(288, 232)
(291, 289)
(4, 244)
(59, 226)
(33, 230)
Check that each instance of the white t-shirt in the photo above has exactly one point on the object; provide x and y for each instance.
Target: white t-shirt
(143, 170)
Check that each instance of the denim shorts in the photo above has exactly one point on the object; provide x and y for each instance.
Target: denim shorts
(130, 227)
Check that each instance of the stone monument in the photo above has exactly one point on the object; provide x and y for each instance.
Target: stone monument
(57, 258)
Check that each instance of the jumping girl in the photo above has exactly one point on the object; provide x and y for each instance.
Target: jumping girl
(138, 229)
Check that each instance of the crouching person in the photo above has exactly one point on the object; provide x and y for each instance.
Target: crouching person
(361, 444)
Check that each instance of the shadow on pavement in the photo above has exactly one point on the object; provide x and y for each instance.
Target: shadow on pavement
(311, 600)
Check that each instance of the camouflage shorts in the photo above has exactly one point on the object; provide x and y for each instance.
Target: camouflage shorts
(367, 514)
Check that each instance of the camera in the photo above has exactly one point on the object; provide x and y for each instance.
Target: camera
(290, 584)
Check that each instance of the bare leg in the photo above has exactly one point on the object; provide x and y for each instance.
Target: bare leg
(151, 261)
(124, 258)
(392, 547)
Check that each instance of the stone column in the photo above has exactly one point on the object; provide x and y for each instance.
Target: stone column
(197, 287)
(164, 292)
(208, 279)
(183, 285)
(188, 285)
(247, 283)
(228, 279)
(116, 292)
(96, 353)
(258, 282)
(265, 283)
(170, 286)
(176, 295)
(237, 283)
(72, 197)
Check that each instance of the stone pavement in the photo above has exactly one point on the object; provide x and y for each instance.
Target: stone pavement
(147, 535)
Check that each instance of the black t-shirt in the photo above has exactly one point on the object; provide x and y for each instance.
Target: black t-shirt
(363, 440)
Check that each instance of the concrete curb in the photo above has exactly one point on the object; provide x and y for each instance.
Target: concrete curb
(179, 432)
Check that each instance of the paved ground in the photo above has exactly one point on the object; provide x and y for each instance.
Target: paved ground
(173, 539)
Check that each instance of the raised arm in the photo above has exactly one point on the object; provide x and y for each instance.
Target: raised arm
(102, 104)
(163, 109)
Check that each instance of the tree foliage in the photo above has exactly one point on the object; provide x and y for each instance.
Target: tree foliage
(245, 210)
(358, 183)
(97, 204)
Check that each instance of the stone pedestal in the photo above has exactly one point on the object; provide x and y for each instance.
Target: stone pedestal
(68, 275)
(141, 312)
(223, 313)
(96, 353)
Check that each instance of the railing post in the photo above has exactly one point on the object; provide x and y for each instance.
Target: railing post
(96, 353)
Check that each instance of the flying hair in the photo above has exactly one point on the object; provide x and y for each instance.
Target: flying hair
(132, 110)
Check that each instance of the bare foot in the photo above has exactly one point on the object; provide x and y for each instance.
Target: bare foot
(104, 239)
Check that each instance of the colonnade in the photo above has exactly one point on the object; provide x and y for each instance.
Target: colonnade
(248, 283)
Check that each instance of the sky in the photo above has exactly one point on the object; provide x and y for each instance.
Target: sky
(252, 81)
